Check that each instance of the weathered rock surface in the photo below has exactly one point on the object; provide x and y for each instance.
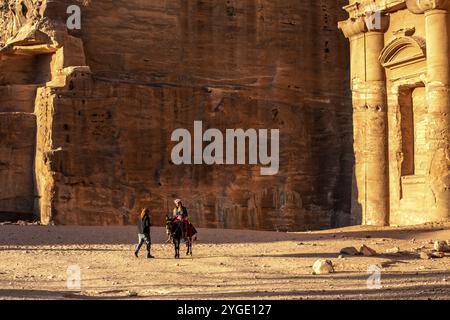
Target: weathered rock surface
(108, 97)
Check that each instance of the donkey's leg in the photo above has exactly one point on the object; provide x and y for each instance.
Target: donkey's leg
(175, 246)
(177, 250)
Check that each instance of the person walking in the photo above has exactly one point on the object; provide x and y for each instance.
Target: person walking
(144, 224)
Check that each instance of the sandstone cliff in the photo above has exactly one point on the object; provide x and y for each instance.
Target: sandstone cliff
(86, 115)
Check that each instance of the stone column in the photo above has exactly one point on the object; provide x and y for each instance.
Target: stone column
(371, 190)
(376, 149)
(438, 71)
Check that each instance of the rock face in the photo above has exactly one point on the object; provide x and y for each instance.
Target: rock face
(87, 115)
(400, 74)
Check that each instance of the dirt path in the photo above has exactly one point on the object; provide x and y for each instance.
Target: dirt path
(227, 264)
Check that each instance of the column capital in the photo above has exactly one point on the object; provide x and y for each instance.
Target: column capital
(364, 17)
(422, 6)
(354, 26)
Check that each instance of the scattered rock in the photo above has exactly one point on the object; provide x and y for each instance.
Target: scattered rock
(132, 294)
(351, 251)
(323, 266)
(394, 250)
(441, 246)
(425, 255)
(438, 255)
(366, 251)
(341, 256)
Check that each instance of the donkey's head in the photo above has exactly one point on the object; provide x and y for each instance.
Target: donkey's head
(168, 225)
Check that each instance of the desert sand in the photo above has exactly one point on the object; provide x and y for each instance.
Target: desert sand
(227, 264)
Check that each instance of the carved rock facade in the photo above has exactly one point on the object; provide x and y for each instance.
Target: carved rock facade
(401, 114)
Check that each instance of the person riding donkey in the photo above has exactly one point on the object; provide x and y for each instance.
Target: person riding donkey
(180, 214)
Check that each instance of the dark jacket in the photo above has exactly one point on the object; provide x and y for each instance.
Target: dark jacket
(144, 225)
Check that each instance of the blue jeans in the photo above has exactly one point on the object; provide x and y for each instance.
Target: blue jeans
(141, 239)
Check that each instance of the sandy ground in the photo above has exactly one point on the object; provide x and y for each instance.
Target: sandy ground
(227, 264)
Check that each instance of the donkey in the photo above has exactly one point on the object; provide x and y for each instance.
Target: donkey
(175, 231)
(191, 233)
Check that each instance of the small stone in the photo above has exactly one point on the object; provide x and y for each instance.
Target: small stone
(424, 255)
(394, 250)
(323, 266)
(351, 251)
(441, 246)
(132, 294)
(341, 256)
(366, 251)
(438, 255)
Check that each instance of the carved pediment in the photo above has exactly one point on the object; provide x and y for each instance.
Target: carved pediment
(403, 51)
